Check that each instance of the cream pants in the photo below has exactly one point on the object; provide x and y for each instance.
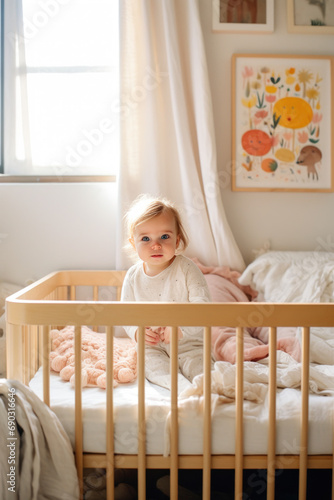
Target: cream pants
(190, 360)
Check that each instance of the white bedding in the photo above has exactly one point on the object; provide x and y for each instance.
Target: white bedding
(292, 276)
(191, 419)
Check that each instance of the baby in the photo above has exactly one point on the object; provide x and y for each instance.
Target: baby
(157, 235)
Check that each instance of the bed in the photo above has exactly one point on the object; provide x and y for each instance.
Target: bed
(272, 414)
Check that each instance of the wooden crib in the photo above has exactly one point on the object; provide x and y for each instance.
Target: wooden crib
(34, 311)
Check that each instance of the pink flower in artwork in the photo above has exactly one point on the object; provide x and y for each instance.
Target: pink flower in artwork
(302, 137)
(261, 113)
(270, 98)
(247, 72)
(317, 117)
(275, 140)
(287, 136)
(256, 120)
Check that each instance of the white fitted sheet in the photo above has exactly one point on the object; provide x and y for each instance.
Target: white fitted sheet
(321, 410)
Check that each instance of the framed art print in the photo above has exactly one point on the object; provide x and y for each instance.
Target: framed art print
(243, 16)
(282, 122)
(310, 16)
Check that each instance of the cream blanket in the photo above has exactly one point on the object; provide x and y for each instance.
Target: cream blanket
(256, 376)
(36, 457)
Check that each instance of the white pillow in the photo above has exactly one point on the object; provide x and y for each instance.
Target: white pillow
(292, 276)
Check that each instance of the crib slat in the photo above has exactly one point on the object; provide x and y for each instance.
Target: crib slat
(271, 459)
(207, 416)
(61, 293)
(46, 364)
(304, 416)
(174, 368)
(239, 397)
(141, 416)
(32, 350)
(26, 354)
(33, 332)
(78, 407)
(110, 413)
(40, 345)
(95, 298)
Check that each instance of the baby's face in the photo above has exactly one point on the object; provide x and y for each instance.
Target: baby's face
(156, 241)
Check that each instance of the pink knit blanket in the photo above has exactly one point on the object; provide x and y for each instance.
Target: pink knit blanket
(93, 355)
(224, 287)
(229, 274)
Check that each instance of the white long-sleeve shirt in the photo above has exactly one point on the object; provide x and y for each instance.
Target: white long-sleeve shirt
(182, 281)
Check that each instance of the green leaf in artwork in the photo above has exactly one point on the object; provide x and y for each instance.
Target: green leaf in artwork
(260, 101)
(248, 89)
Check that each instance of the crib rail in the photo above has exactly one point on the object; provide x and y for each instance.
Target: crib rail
(250, 314)
(31, 312)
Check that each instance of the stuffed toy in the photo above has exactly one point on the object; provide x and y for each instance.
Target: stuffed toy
(93, 356)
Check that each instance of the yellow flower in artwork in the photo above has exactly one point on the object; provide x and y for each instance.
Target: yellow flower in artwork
(305, 76)
(312, 94)
(290, 79)
(271, 89)
(249, 103)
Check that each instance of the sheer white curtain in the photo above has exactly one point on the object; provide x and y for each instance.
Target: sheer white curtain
(168, 145)
(15, 83)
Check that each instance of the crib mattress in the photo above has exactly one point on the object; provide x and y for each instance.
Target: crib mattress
(190, 420)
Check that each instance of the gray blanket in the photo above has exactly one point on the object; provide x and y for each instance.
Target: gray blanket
(36, 456)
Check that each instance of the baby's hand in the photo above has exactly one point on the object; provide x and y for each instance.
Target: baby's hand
(167, 334)
(157, 329)
(156, 334)
(152, 337)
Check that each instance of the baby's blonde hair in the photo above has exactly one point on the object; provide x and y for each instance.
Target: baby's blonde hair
(145, 207)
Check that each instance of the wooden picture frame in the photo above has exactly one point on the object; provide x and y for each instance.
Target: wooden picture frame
(243, 16)
(305, 16)
(282, 123)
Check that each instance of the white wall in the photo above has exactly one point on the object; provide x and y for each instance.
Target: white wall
(46, 227)
(291, 221)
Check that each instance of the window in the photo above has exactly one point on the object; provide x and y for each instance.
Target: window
(61, 88)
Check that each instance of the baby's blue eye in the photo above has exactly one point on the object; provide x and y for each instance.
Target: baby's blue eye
(165, 236)
(145, 238)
